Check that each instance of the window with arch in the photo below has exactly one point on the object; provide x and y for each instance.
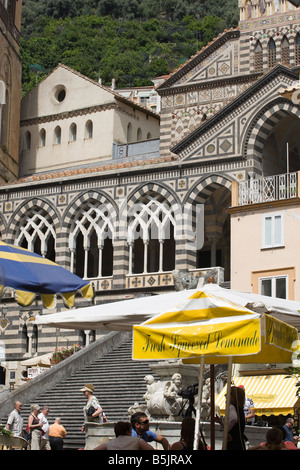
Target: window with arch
(42, 138)
(271, 53)
(28, 140)
(149, 136)
(25, 339)
(89, 130)
(258, 58)
(129, 132)
(151, 239)
(34, 340)
(297, 49)
(91, 241)
(37, 234)
(285, 51)
(73, 133)
(57, 135)
(139, 135)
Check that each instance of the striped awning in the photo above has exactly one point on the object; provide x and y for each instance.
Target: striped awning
(271, 394)
(28, 274)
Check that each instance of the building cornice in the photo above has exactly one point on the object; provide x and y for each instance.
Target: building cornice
(263, 206)
(83, 112)
(214, 83)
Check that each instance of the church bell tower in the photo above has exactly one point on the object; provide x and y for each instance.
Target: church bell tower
(270, 34)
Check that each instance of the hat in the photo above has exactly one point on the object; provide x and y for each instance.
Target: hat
(242, 387)
(88, 388)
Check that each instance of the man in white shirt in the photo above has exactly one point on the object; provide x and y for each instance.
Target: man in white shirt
(45, 445)
(15, 420)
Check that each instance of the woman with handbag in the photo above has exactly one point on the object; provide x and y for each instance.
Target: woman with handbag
(34, 427)
(92, 410)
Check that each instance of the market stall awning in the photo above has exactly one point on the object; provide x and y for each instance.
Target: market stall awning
(271, 394)
(38, 361)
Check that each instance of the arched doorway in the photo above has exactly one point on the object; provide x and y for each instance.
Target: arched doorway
(274, 130)
(283, 140)
(214, 192)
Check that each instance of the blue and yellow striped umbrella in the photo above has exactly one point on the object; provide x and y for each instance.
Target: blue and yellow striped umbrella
(29, 274)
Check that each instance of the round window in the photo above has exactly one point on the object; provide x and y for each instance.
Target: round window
(59, 93)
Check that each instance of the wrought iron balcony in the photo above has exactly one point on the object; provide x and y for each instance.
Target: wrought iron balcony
(268, 188)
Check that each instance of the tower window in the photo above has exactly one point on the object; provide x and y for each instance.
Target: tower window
(272, 53)
(297, 49)
(258, 58)
(285, 51)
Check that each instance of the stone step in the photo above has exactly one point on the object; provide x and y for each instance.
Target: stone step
(119, 383)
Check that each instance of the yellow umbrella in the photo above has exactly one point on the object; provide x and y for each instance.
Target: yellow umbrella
(210, 329)
(217, 329)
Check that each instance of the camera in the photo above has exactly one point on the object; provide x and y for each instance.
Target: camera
(189, 392)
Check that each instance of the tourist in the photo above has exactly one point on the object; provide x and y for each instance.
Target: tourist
(45, 429)
(92, 410)
(288, 427)
(57, 433)
(34, 427)
(236, 420)
(15, 420)
(140, 428)
(187, 436)
(249, 409)
(124, 439)
(274, 441)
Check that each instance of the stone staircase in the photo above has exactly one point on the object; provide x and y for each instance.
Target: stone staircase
(118, 382)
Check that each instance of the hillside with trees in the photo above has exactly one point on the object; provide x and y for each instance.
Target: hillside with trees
(128, 40)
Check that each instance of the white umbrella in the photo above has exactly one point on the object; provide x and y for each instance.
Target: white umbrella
(122, 315)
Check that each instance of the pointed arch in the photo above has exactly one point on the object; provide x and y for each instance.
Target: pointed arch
(271, 53)
(297, 49)
(152, 224)
(92, 228)
(285, 51)
(34, 226)
(258, 57)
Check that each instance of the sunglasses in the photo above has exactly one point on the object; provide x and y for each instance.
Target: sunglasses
(144, 422)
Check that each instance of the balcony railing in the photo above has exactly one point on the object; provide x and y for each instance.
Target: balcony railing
(269, 188)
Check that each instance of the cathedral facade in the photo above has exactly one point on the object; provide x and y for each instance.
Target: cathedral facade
(122, 196)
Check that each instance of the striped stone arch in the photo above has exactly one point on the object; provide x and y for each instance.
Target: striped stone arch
(142, 191)
(262, 125)
(202, 190)
(93, 215)
(3, 226)
(77, 204)
(153, 188)
(21, 213)
(152, 214)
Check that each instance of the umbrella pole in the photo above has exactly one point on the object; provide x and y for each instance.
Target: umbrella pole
(225, 435)
(198, 411)
(212, 407)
